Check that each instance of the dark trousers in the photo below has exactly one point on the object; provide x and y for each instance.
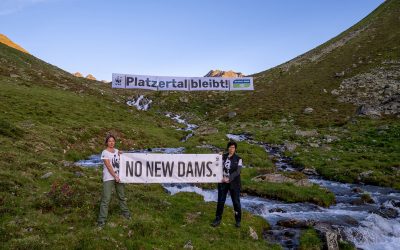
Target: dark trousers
(234, 191)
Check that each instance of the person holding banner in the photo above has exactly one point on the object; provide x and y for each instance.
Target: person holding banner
(110, 157)
(232, 165)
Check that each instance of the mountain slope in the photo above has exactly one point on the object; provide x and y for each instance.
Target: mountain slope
(308, 80)
(5, 40)
(48, 120)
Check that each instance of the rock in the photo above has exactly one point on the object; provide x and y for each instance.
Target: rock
(79, 174)
(289, 234)
(308, 110)
(357, 190)
(91, 77)
(314, 145)
(376, 92)
(334, 110)
(277, 210)
(279, 178)
(78, 74)
(326, 147)
(295, 223)
(188, 245)
(67, 163)
(206, 131)
(309, 133)
(365, 174)
(14, 76)
(335, 92)
(47, 175)
(386, 212)
(364, 199)
(340, 74)
(221, 73)
(329, 235)
(183, 99)
(253, 234)
(231, 114)
(309, 171)
(331, 138)
(383, 127)
(395, 203)
(290, 146)
(364, 110)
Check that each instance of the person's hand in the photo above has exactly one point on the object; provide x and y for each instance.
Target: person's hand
(225, 180)
(117, 179)
(221, 153)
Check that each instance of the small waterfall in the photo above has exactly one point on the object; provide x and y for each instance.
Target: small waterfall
(141, 103)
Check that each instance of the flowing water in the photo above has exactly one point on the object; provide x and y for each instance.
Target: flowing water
(368, 226)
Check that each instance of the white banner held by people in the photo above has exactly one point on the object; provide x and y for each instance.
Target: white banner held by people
(125, 81)
(170, 168)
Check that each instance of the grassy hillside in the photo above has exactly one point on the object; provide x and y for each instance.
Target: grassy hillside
(48, 120)
(5, 40)
(364, 150)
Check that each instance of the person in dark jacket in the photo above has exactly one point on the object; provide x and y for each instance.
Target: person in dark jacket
(232, 165)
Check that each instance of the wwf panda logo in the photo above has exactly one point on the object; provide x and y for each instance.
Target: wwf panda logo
(118, 79)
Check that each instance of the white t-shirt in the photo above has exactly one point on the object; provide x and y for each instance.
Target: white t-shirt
(114, 161)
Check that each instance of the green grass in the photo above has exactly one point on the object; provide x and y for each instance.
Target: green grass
(38, 214)
(367, 145)
(309, 240)
(285, 191)
(41, 127)
(48, 116)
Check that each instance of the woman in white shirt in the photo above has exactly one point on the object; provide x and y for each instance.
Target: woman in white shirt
(110, 157)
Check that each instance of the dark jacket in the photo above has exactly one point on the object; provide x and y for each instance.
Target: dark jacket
(234, 171)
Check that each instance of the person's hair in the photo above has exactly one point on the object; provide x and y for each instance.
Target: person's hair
(230, 144)
(108, 138)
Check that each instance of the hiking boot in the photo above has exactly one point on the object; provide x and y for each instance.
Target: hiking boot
(237, 224)
(216, 223)
(100, 225)
(127, 216)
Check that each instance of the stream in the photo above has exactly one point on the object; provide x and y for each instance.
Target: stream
(367, 226)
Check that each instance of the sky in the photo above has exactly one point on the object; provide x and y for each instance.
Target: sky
(174, 37)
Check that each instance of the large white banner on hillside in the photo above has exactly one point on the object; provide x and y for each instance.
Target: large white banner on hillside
(125, 81)
(170, 168)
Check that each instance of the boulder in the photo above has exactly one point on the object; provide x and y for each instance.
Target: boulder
(279, 178)
(386, 212)
(204, 130)
(188, 245)
(183, 99)
(309, 171)
(253, 233)
(395, 203)
(329, 235)
(357, 190)
(277, 210)
(365, 174)
(308, 110)
(232, 114)
(295, 223)
(339, 74)
(331, 138)
(371, 112)
(290, 146)
(307, 133)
